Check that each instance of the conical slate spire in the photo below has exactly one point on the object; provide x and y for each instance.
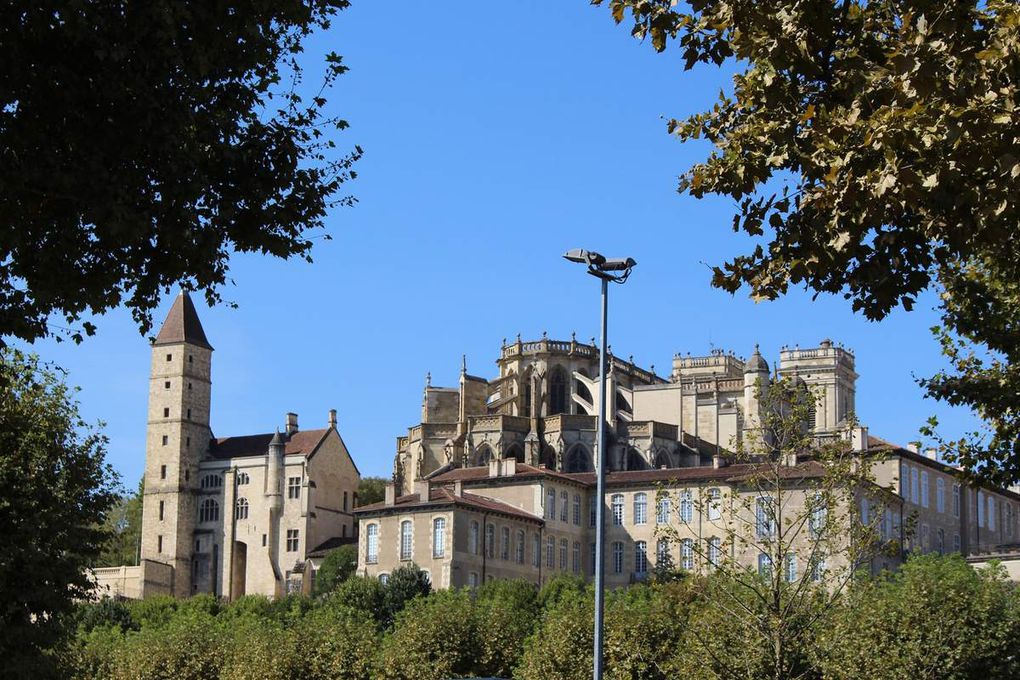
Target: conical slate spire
(182, 325)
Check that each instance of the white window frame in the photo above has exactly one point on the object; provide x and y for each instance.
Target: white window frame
(641, 508)
(924, 488)
(687, 554)
(372, 544)
(641, 557)
(663, 510)
(714, 505)
(940, 494)
(617, 557)
(439, 537)
(616, 503)
(406, 546)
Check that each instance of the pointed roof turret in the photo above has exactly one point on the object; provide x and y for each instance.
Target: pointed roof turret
(182, 324)
(757, 363)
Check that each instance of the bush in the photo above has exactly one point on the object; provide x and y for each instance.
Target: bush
(338, 566)
(338, 643)
(433, 638)
(103, 613)
(190, 646)
(561, 646)
(558, 587)
(404, 584)
(506, 613)
(934, 613)
(361, 594)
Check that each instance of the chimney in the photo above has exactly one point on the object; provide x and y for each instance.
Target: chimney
(494, 467)
(914, 447)
(458, 488)
(332, 417)
(931, 453)
(509, 467)
(718, 461)
(859, 438)
(291, 424)
(421, 487)
(391, 494)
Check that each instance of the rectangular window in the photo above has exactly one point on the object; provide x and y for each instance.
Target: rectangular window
(166, 440)
(641, 558)
(764, 565)
(563, 553)
(166, 385)
(550, 552)
(940, 494)
(956, 542)
(162, 471)
(663, 511)
(592, 511)
(292, 540)
(490, 541)
(991, 513)
(161, 511)
(504, 551)
(915, 496)
(640, 508)
(263, 540)
(687, 554)
(617, 557)
(520, 547)
(439, 537)
(536, 550)
(981, 508)
(406, 537)
(617, 505)
(169, 357)
(577, 509)
(686, 506)
(473, 538)
(765, 524)
(159, 544)
(345, 501)
(189, 414)
(166, 413)
(791, 567)
(293, 487)
(956, 501)
(577, 557)
(187, 441)
(550, 504)
(714, 550)
(564, 506)
(372, 544)
(473, 579)
(924, 488)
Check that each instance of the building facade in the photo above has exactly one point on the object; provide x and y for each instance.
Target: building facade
(231, 515)
(497, 481)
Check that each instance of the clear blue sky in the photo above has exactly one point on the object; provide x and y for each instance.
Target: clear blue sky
(495, 139)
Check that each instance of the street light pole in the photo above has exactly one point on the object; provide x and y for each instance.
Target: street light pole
(617, 271)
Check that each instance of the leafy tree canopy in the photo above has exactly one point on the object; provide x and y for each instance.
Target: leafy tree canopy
(142, 143)
(124, 526)
(371, 490)
(871, 150)
(338, 566)
(59, 489)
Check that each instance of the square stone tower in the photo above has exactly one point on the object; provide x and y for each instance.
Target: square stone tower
(828, 370)
(177, 437)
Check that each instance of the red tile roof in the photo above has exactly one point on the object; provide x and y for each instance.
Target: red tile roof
(443, 496)
(302, 442)
(481, 472)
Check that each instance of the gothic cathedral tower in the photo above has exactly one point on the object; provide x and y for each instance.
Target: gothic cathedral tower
(177, 437)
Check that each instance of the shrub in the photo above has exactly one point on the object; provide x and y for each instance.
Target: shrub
(505, 616)
(433, 638)
(561, 646)
(361, 594)
(338, 643)
(338, 566)
(105, 612)
(404, 584)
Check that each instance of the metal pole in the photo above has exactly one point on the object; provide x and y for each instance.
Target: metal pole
(600, 492)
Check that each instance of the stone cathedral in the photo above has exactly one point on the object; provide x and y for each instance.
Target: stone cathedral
(539, 408)
(232, 515)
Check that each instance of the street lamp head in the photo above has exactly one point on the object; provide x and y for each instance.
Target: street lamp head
(617, 264)
(583, 256)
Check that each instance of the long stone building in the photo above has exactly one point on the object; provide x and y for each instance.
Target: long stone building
(230, 515)
(497, 481)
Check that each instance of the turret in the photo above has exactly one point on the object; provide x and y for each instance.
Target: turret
(274, 471)
(756, 383)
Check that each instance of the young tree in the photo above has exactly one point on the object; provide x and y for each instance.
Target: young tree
(404, 584)
(871, 150)
(58, 490)
(337, 567)
(144, 143)
(371, 490)
(783, 538)
(124, 526)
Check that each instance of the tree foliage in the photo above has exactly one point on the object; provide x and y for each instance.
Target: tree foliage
(404, 584)
(871, 151)
(338, 566)
(124, 526)
(58, 490)
(371, 490)
(143, 143)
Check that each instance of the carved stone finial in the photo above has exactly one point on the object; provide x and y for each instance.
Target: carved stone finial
(463, 364)
(518, 338)
(652, 369)
(631, 358)
(573, 336)
(544, 335)
(593, 341)
(504, 342)
(428, 379)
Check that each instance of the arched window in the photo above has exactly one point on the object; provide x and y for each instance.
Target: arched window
(372, 543)
(550, 552)
(209, 511)
(242, 478)
(663, 510)
(504, 551)
(577, 509)
(686, 507)
(617, 505)
(241, 509)
(577, 557)
(526, 398)
(439, 537)
(557, 391)
(635, 461)
(662, 553)
(791, 567)
(384, 578)
(214, 481)
(765, 517)
(578, 459)
(490, 541)
(764, 565)
(473, 539)
(641, 508)
(520, 547)
(563, 553)
(515, 451)
(482, 456)
(641, 558)
(714, 550)
(405, 539)
(687, 553)
(714, 505)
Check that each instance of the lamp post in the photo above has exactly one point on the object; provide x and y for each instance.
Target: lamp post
(617, 271)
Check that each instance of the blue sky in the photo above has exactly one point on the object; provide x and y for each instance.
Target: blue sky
(494, 140)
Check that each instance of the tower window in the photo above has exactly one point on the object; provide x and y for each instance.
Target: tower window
(161, 511)
(166, 413)
(166, 385)
(166, 440)
(189, 386)
(191, 359)
(189, 414)
(162, 471)
(292, 540)
(187, 441)
(159, 544)
(187, 474)
(294, 487)
(169, 357)
(263, 540)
